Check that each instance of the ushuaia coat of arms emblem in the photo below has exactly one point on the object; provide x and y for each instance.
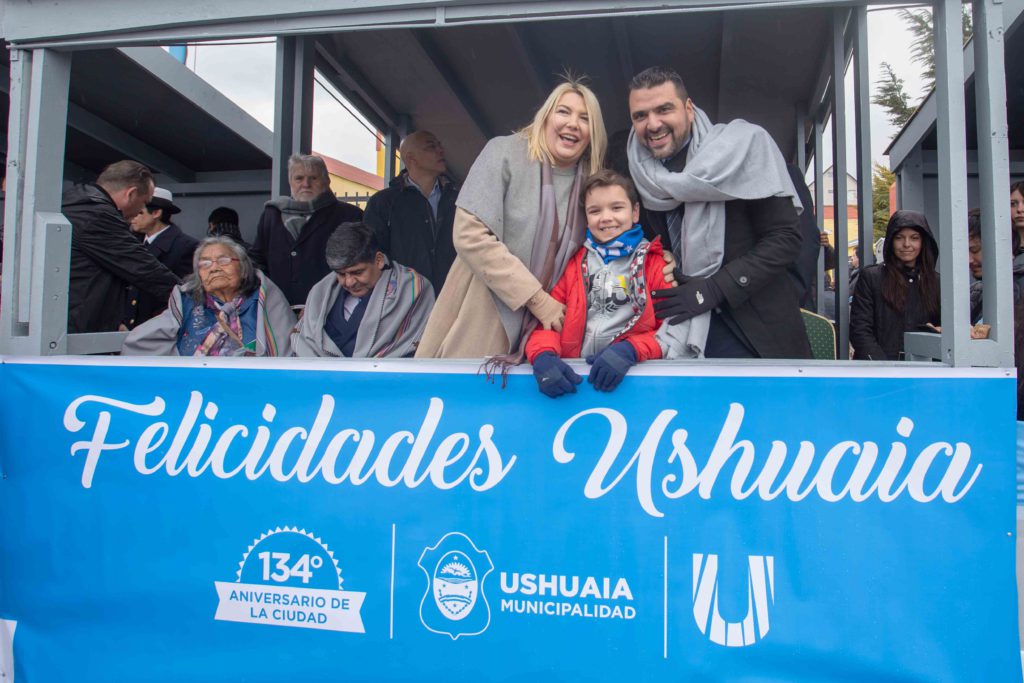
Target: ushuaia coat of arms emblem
(454, 603)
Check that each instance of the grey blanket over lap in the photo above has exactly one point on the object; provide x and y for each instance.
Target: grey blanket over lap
(724, 162)
(392, 325)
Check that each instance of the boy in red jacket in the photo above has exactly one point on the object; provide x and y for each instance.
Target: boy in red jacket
(609, 316)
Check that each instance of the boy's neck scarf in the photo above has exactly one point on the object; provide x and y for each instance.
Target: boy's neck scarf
(623, 245)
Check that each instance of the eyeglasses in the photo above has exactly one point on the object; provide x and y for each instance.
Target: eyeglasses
(206, 263)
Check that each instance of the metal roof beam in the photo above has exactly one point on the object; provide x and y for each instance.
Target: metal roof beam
(625, 52)
(26, 24)
(110, 135)
(357, 88)
(204, 96)
(433, 54)
(521, 44)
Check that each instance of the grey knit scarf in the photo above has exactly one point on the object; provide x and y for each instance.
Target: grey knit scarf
(295, 214)
(724, 162)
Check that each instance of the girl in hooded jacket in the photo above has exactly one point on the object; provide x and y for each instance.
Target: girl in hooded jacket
(899, 295)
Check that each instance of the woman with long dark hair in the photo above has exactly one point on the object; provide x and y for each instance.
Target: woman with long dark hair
(899, 295)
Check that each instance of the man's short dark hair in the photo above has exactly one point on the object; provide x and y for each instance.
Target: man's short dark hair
(654, 76)
(974, 229)
(223, 214)
(164, 218)
(608, 178)
(126, 173)
(351, 244)
(974, 224)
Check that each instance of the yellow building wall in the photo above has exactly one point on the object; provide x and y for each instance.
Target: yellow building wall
(343, 186)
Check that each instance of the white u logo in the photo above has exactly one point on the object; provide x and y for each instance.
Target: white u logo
(760, 588)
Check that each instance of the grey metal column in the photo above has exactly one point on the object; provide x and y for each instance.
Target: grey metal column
(862, 104)
(293, 106)
(910, 182)
(37, 244)
(390, 150)
(839, 184)
(952, 195)
(993, 172)
(819, 206)
(801, 141)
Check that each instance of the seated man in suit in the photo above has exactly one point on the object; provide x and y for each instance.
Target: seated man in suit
(368, 307)
(164, 240)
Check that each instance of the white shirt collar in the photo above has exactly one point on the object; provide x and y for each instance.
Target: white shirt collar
(149, 238)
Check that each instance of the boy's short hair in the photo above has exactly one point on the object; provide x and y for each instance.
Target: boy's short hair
(608, 178)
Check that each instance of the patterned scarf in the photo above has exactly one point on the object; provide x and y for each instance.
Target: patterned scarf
(215, 329)
(623, 245)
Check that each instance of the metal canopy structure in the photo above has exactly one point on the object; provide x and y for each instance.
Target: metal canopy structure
(469, 83)
(130, 117)
(469, 70)
(913, 152)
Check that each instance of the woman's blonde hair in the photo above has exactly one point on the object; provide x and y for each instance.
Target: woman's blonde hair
(534, 132)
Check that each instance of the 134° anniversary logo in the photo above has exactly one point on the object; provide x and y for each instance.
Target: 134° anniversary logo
(289, 577)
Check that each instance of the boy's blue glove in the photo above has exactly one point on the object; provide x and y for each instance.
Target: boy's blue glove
(611, 365)
(554, 377)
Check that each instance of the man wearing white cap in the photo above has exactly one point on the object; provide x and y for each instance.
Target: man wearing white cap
(164, 240)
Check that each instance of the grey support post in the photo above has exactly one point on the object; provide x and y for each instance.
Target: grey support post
(801, 142)
(952, 195)
(37, 244)
(839, 184)
(862, 102)
(391, 141)
(819, 205)
(993, 177)
(293, 106)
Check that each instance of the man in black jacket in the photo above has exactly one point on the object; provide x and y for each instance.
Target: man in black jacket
(413, 217)
(291, 237)
(750, 299)
(105, 257)
(164, 240)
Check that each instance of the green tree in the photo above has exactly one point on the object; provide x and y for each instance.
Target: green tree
(891, 96)
(922, 47)
(881, 180)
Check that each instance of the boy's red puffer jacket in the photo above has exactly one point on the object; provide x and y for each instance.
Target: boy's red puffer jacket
(572, 291)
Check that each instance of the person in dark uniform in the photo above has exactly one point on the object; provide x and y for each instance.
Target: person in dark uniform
(164, 240)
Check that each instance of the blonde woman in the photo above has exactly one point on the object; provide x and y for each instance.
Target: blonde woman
(517, 223)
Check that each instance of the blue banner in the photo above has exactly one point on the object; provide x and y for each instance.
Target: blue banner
(397, 521)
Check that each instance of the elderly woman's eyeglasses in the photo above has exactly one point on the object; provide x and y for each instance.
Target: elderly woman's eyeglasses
(222, 261)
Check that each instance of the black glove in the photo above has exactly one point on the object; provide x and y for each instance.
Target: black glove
(611, 365)
(554, 377)
(691, 297)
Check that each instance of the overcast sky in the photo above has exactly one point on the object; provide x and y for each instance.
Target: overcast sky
(245, 73)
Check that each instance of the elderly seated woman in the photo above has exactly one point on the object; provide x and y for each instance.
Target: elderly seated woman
(369, 307)
(225, 308)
